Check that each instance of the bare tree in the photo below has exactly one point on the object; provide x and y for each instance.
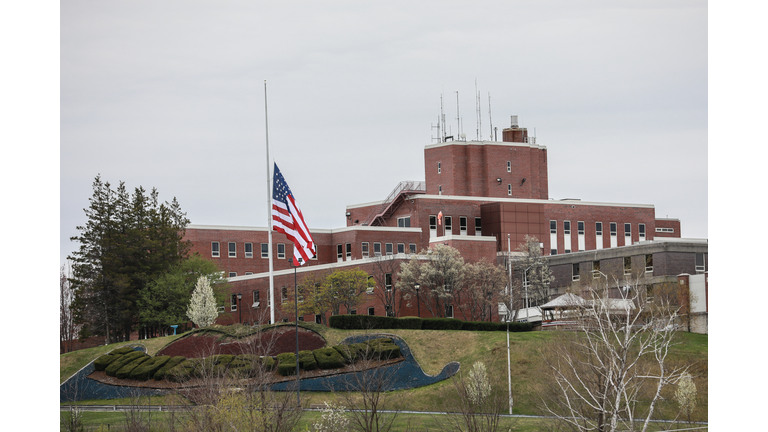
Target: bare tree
(67, 328)
(367, 390)
(485, 282)
(384, 270)
(440, 277)
(478, 403)
(610, 372)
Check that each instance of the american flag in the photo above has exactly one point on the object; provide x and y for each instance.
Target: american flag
(287, 219)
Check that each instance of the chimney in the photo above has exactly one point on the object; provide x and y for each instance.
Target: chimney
(514, 133)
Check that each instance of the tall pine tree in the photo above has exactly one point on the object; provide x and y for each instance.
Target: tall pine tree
(128, 241)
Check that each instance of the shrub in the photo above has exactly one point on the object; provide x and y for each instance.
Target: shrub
(123, 360)
(307, 360)
(386, 351)
(328, 358)
(480, 326)
(286, 364)
(122, 350)
(125, 371)
(441, 324)
(102, 362)
(348, 354)
(411, 323)
(184, 370)
(163, 371)
(147, 369)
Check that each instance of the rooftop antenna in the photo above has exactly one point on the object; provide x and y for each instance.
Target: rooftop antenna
(437, 126)
(458, 116)
(442, 115)
(490, 119)
(478, 113)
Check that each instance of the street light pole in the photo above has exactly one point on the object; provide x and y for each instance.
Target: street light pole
(240, 306)
(418, 301)
(509, 316)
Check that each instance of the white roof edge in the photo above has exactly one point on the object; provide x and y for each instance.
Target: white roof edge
(341, 264)
(462, 237)
(312, 230)
(528, 200)
(497, 143)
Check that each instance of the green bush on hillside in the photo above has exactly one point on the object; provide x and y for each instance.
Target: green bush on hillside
(123, 360)
(163, 371)
(328, 358)
(102, 362)
(147, 369)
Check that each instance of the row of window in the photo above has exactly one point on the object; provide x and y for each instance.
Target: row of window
(700, 266)
(580, 230)
(447, 222)
(440, 167)
(247, 250)
(344, 251)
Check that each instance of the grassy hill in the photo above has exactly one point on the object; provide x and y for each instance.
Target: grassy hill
(433, 349)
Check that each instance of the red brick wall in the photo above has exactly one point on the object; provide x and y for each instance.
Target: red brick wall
(472, 169)
(668, 223)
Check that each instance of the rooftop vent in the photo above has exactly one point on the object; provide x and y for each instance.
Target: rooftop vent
(515, 122)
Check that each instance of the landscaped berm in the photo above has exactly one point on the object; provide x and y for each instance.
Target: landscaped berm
(267, 357)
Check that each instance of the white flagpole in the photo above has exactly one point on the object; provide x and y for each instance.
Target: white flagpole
(269, 214)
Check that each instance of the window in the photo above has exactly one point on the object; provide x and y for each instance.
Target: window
(248, 273)
(233, 303)
(371, 311)
(627, 265)
(627, 234)
(448, 221)
(318, 319)
(439, 168)
(353, 312)
(281, 250)
(599, 228)
(596, 270)
(440, 189)
(264, 250)
(388, 248)
(478, 227)
(449, 311)
(701, 262)
(566, 227)
(641, 230)
(575, 275)
(649, 263)
(232, 274)
(215, 249)
(401, 248)
(371, 285)
(614, 228)
(580, 228)
(221, 309)
(388, 281)
(339, 252)
(349, 251)
(553, 227)
(509, 189)
(232, 250)
(509, 166)
(665, 230)
(463, 225)
(364, 248)
(377, 249)
(249, 250)
(404, 222)
(284, 293)
(256, 299)
(412, 248)
(432, 222)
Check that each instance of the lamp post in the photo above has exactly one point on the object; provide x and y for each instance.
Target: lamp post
(240, 306)
(296, 319)
(418, 301)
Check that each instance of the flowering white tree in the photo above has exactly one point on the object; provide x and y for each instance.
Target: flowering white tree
(202, 308)
(685, 395)
(332, 419)
(478, 386)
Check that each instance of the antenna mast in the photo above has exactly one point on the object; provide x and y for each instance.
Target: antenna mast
(489, 114)
(458, 116)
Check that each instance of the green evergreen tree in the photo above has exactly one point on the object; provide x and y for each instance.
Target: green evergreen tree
(128, 241)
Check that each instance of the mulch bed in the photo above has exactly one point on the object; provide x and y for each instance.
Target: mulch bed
(102, 376)
(274, 341)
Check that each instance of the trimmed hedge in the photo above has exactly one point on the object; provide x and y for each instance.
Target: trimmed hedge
(328, 358)
(372, 322)
(121, 361)
(102, 362)
(307, 360)
(286, 364)
(170, 364)
(184, 370)
(125, 371)
(147, 370)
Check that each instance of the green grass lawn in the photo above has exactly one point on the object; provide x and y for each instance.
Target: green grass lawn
(433, 349)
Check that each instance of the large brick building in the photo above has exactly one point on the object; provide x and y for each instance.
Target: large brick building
(477, 194)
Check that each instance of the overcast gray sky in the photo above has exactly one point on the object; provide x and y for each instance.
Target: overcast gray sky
(171, 95)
